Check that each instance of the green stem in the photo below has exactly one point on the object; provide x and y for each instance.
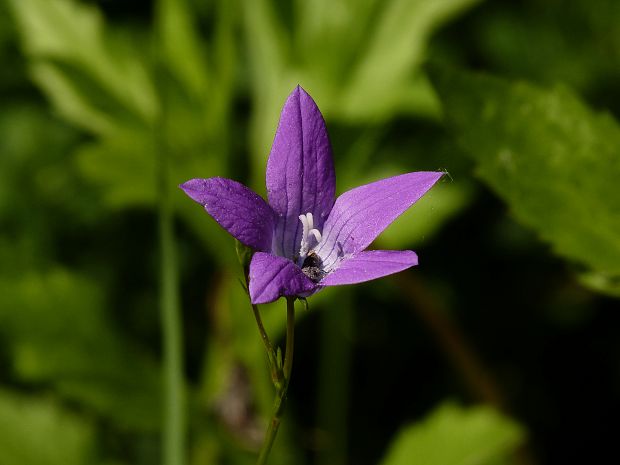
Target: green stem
(282, 388)
(276, 376)
(174, 418)
(263, 334)
(290, 338)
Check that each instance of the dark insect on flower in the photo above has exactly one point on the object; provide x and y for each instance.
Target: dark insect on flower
(312, 267)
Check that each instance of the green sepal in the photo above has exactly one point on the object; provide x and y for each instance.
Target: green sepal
(279, 358)
(276, 372)
(243, 285)
(244, 254)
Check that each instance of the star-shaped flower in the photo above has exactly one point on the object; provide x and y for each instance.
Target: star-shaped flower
(304, 238)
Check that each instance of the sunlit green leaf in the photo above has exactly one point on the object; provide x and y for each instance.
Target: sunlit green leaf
(454, 435)
(83, 67)
(272, 76)
(79, 99)
(340, 26)
(551, 158)
(601, 282)
(394, 49)
(181, 46)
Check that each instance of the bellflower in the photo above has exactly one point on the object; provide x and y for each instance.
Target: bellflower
(304, 238)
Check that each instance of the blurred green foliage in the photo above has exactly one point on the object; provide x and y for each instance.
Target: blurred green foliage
(96, 93)
(552, 159)
(37, 431)
(452, 435)
(91, 363)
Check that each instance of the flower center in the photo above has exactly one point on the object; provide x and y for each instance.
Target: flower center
(310, 236)
(308, 260)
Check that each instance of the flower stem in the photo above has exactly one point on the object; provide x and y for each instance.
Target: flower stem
(173, 400)
(276, 374)
(290, 338)
(281, 388)
(263, 334)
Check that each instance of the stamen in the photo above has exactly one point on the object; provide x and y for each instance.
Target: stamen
(306, 226)
(316, 233)
(307, 222)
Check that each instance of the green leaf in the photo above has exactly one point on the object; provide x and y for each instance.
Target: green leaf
(267, 42)
(37, 431)
(91, 76)
(370, 73)
(551, 158)
(585, 60)
(58, 333)
(454, 435)
(272, 77)
(601, 282)
(394, 49)
(340, 26)
(27, 160)
(79, 99)
(123, 167)
(181, 45)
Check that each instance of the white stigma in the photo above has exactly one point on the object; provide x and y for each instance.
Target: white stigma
(308, 232)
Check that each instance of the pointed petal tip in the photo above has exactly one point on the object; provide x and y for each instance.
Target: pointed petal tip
(236, 208)
(420, 181)
(361, 214)
(301, 97)
(194, 189)
(189, 184)
(293, 95)
(261, 299)
(300, 175)
(298, 90)
(408, 257)
(199, 188)
(430, 176)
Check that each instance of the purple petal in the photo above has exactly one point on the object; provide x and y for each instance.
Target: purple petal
(361, 214)
(372, 264)
(300, 171)
(240, 211)
(272, 277)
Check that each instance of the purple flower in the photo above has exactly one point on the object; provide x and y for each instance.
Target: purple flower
(304, 238)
